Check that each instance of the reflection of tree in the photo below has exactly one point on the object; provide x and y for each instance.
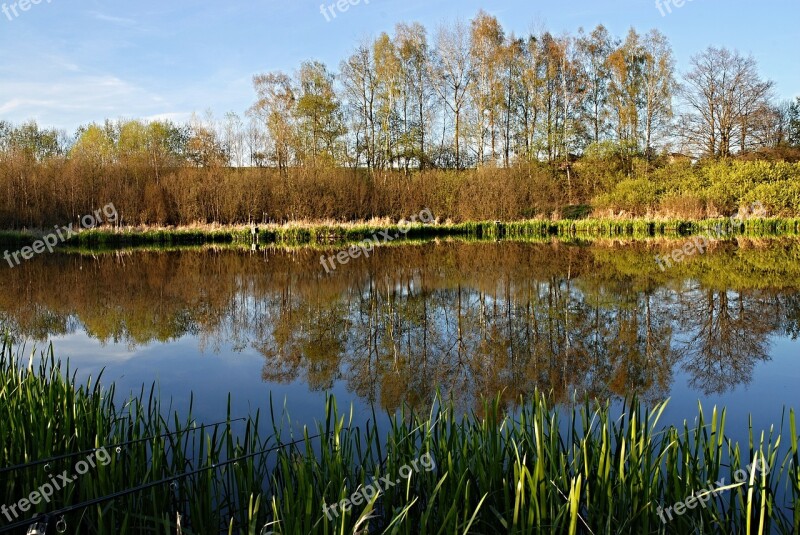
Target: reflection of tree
(728, 337)
(628, 336)
(473, 319)
(792, 321)
(306, 335)
(639, 350)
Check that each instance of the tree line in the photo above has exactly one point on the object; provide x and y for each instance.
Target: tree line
(530, 124)
(473, 95)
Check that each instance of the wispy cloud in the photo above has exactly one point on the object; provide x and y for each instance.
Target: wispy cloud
(18, 104)
(175, 116)
(110, 18)
(78, 98)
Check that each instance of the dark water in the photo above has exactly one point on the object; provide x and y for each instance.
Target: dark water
(475, 319)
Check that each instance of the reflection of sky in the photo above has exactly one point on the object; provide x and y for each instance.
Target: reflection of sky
(218, 356)
(179, 369)
(772, 386)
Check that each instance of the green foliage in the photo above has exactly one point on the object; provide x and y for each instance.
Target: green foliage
(634, 196)
(717, 188)
(46, 414)
(31, 141)
(579, 470)
(731, 185)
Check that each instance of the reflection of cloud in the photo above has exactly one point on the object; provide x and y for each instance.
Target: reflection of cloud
(81, 348)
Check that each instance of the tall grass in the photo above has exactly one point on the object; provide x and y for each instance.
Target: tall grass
(347, 233)
(592, 468)
(45, 413)
(164, 237)
(541, 470)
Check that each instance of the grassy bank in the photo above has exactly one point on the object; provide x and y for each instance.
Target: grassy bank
(346, 233)
(585, 471)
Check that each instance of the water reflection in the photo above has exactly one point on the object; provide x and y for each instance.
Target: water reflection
(476, 319)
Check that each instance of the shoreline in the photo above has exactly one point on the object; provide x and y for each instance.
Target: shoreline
(335, 234)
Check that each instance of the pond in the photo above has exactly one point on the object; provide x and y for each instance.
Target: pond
(598, 320)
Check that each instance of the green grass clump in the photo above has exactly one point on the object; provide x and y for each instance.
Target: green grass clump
(536, 471)
(45, 413)
(166, 238)
(589, 469)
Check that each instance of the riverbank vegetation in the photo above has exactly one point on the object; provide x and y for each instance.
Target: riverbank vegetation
(386, 232)
(471, 122)
(58, 193)
(580, 470)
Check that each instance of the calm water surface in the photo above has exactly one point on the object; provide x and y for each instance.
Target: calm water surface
(474, 319)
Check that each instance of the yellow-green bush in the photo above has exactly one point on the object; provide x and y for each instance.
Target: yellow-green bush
(733, 183)
(635, 196)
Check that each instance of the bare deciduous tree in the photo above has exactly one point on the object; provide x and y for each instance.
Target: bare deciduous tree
(723, 92)
(453, 76)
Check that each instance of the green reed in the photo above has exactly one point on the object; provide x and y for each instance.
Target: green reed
(538, 470)
(45, 413)
(18, 239)
(172, 237)
(590, 468)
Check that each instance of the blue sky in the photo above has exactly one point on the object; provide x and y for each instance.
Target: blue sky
(67, 63)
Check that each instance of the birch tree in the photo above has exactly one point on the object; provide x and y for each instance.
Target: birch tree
(452, 76)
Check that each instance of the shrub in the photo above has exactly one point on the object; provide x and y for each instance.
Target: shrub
(635, 196)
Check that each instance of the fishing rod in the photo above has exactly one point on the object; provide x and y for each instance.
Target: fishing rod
(112, 446)
(45, 519)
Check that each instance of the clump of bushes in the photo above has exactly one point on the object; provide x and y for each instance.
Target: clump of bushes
(709, 189)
